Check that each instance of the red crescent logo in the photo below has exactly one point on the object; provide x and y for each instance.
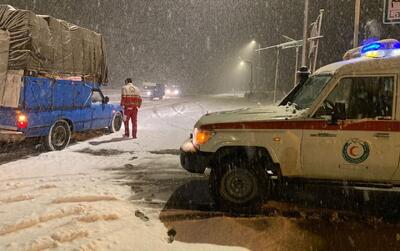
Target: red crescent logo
(356, 151)
(352, 149)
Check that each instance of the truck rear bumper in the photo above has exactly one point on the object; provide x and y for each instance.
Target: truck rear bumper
(11, 136)
(192, 159)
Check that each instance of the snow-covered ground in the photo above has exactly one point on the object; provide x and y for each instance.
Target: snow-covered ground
(83, 198)
(108, 193)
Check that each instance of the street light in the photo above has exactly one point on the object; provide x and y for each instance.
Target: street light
(248, 49)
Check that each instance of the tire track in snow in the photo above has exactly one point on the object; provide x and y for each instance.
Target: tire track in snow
(179, 112)
(14, 187)
(174, 108)
(157, 113)
(202, 108)
(18, 198)
(34, 221)
(84, 198)
(54, 240)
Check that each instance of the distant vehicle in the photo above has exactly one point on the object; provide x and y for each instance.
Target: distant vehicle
(172, 91)
(153, 90)
(340, 127)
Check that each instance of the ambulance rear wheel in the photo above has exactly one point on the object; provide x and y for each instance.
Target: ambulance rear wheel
(239, 186)
(116, 123)
(59, 136)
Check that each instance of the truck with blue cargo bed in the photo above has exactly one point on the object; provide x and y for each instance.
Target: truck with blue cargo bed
(51, 72)
(54, 109)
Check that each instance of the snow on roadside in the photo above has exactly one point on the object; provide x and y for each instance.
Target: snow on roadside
(68, 200)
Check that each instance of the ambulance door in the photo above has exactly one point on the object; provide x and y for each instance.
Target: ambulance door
(318, 149)
(369, 137)
(363, 147)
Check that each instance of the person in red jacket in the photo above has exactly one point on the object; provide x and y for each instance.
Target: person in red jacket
(130, 102)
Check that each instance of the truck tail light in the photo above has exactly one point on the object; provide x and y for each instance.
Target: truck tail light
(22, 120)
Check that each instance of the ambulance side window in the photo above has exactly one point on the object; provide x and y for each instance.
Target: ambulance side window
(364, 97)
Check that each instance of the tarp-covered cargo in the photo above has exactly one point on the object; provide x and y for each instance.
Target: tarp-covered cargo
(47, 45)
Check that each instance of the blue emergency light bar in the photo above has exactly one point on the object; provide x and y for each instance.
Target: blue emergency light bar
(380, 49)
(376, 49)
(372, 47)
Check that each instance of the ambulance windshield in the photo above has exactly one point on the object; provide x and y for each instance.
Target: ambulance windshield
(303, 97)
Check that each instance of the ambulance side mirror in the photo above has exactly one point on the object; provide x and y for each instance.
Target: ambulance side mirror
(339, 112)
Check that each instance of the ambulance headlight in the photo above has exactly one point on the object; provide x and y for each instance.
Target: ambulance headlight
(201, 136)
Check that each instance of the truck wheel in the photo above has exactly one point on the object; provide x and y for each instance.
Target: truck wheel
(239, 186)
(116, 123)
(59, 136)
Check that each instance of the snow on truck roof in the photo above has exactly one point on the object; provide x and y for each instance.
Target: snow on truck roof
(362, 66)
(374, 58)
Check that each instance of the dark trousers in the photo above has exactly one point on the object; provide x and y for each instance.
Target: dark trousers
(131, 114)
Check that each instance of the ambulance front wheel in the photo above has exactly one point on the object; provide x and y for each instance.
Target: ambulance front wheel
(238, 186)
(59, 136)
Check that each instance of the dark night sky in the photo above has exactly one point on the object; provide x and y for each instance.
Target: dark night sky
(191, 42)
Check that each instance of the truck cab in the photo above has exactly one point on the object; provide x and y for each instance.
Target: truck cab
(341, 126)
(53, 109)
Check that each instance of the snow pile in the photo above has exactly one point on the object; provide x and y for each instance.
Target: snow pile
(74, 200)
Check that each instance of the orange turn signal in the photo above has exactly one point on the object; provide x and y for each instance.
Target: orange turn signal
(201, 136)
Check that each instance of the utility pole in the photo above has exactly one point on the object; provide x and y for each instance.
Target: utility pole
(305, 35)
(296, 68)
(258, 82)
(356, 23)
(276, 73)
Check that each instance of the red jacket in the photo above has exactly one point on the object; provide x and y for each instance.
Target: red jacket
(130, 97)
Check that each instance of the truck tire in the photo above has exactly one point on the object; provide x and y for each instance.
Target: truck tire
(239, 186)
(116, 123)
(59, 136)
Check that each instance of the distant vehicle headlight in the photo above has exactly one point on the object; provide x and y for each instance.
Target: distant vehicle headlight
(148, 93)
(176, 92)
(168, 91)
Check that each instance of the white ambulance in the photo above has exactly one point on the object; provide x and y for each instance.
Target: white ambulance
(341, 126)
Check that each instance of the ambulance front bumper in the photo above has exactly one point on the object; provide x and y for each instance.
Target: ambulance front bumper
(192, 159)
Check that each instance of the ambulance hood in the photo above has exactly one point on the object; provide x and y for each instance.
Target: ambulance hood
(251, 114)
